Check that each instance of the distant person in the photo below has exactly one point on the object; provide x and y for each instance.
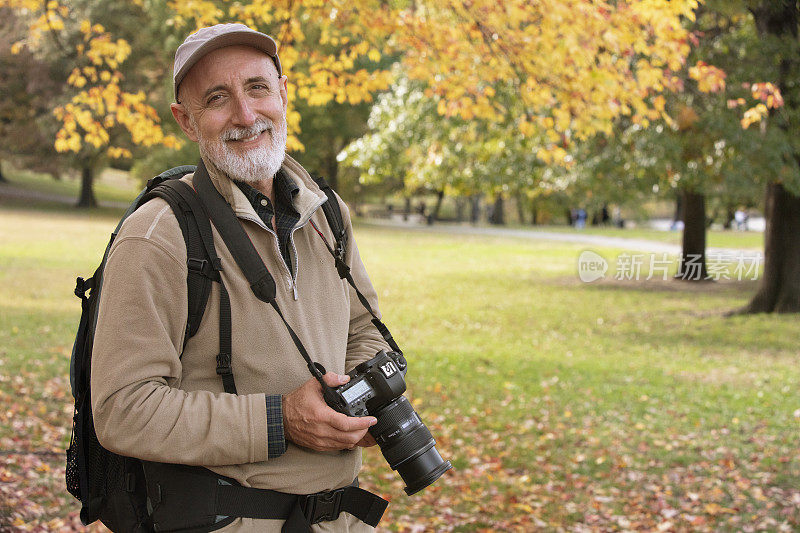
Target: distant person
(605, 218)
(617, 219)
(580, 218)
(741, 216)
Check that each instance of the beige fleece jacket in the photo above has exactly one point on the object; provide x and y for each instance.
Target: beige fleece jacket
(152, 403)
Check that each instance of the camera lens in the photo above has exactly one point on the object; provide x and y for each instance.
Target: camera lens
(408, 446)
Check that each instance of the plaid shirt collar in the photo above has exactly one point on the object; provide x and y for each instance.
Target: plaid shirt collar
(286, 216)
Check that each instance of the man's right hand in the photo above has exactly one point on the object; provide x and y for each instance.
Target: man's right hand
(308, 421)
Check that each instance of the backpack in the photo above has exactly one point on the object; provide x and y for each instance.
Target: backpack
(111, 487)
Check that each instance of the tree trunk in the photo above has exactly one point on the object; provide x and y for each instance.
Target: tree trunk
(693, 258)
(87, 198)
(498, 217)
(2, 177)
(521, 208)
(435, 213)
(475, 212)
(779, 290)
(678, 215)
(461, 203)
(332, 168)
(534, 213)
(730, 216)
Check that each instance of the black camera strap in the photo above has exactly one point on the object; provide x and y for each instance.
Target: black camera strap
(261, 281)
(340, 236)
(344, 273)
(246, 256)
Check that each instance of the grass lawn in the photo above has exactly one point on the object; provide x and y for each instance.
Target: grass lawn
(563, 406)
(111, 186)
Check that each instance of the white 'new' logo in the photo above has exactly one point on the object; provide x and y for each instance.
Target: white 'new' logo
(591, 266)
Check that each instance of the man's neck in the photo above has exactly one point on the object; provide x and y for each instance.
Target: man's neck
(265, 187)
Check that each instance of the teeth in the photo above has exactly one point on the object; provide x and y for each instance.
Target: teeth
(250, 138)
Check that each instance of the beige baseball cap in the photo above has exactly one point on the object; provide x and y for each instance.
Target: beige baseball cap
(212, 38)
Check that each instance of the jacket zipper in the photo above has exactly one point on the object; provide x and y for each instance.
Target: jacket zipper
(294, 255)
(292, 275)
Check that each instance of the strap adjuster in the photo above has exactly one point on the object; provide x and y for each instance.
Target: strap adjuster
(203, 266)
(224, 364)
(82, 286)
(322, 506)
(342, 268)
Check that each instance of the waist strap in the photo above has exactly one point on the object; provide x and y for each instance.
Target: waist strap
(299, 511)
(183, 497)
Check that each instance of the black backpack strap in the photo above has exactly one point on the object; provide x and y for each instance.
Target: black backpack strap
(204, 266)
(300, 511)
(246, 256)
(333, 214)
(174, 172)
(234, 236)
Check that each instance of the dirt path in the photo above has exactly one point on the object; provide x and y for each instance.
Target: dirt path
(8, 190)
(624, 243)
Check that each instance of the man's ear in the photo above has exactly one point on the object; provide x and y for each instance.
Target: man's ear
(183, 120)
(284, 91)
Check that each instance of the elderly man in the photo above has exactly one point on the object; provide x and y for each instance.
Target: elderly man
(160, 401)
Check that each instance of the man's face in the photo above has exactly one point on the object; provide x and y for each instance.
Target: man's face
(233, 104)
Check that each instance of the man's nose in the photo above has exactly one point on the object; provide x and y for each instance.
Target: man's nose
(243, 114)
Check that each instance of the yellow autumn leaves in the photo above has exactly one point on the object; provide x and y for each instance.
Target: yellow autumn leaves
(101, 104)
(571, 67)
(559, 70)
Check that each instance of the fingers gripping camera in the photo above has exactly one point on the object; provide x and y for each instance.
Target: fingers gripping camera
(376, 388)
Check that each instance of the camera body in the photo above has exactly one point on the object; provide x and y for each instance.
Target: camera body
(376, 388)
(373, 384)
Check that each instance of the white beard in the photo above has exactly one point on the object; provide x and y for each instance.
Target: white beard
(255, 164)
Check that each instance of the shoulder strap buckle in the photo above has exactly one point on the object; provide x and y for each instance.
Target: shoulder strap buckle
(340, 251)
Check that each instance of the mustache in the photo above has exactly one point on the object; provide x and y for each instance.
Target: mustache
(261, 125)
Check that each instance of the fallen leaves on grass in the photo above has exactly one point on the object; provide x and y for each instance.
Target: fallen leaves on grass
(557, 467)
(582, 472)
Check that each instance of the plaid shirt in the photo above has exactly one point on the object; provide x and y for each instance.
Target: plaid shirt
(286, 217)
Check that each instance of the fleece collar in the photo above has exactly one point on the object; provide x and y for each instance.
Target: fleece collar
(307, 200)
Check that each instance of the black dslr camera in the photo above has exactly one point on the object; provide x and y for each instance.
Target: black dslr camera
(376, 388)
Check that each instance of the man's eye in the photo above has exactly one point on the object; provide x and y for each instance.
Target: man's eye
(214, 99)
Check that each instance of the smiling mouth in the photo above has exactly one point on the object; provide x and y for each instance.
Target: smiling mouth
(252, 138)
